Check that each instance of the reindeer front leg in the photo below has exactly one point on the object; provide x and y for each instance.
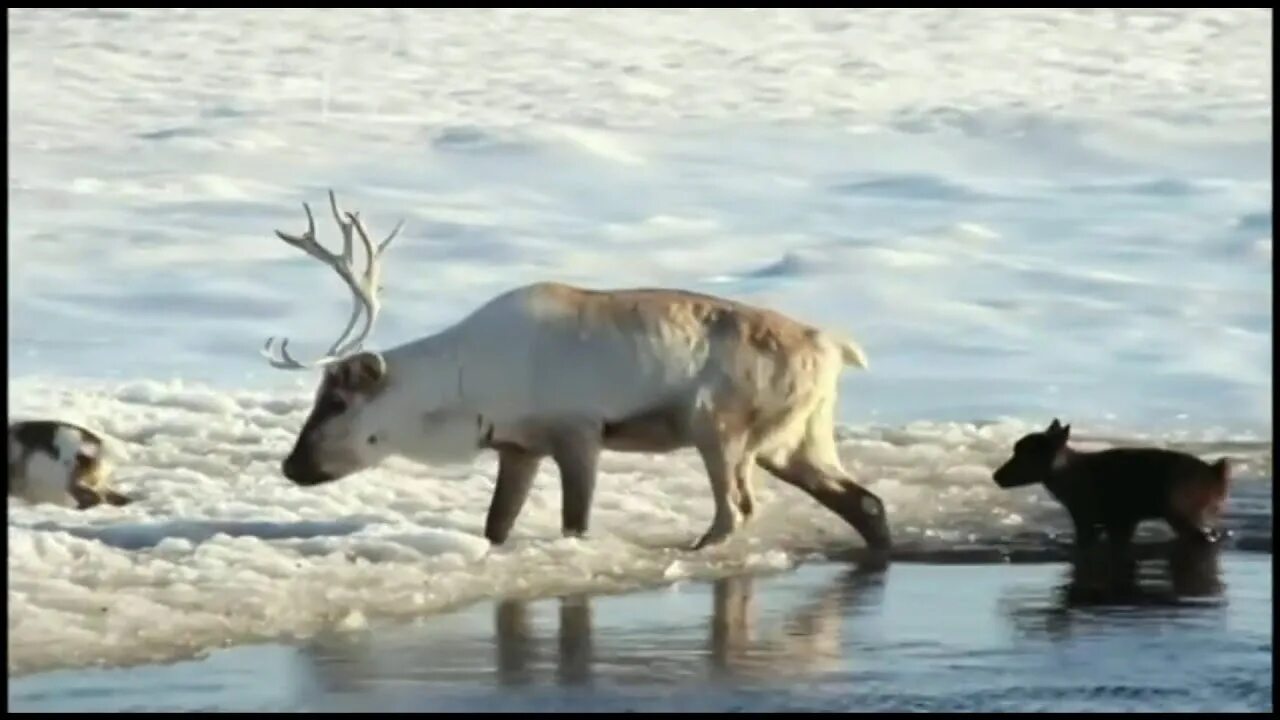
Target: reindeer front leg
(516, 469)
(576, 452)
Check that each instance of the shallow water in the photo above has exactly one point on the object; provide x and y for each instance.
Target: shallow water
(1083, 232)
(826, 637)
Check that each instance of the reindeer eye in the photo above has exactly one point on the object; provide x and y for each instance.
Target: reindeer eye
(373, 439)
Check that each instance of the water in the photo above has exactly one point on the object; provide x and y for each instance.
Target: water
(822, 638)
(1020, 215)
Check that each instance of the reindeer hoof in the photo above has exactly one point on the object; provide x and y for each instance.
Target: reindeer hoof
(712, 537)
(721, 528)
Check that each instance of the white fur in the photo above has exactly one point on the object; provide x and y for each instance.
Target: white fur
(46, 478)
(68, 441)
(1060, 460)
(525, 357)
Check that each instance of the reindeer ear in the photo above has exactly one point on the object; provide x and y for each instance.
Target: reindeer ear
(362, 373)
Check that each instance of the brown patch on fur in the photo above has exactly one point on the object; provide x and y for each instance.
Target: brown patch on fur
(85, 497)
(89, 473)
(755, 328)
(363, 373)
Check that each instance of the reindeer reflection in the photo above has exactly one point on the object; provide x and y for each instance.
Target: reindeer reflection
(517, 644)
(809, 641)
(737, 645)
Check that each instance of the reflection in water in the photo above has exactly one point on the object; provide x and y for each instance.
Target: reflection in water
(738, 641)
(517, 646)
(808, 643)
(1186, 570)
(575, 655)
(734, 639)
(1182, 574)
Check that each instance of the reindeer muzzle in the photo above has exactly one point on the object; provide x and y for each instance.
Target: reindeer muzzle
(301, 470)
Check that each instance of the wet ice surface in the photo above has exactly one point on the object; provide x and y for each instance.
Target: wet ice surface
(226, 552)
(826, 637)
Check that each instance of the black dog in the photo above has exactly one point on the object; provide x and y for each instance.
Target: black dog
(1119, 488)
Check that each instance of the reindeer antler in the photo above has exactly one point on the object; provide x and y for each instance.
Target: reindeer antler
(364, 290)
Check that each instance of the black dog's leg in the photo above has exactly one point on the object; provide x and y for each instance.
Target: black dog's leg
(1120, 532)
(1086, 531)
(1189, 530)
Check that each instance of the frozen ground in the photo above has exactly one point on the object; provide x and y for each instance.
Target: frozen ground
(1019, 214)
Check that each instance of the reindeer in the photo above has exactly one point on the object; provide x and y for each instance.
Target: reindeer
(553, 370)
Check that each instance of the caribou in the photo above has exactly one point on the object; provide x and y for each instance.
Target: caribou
(551, 370)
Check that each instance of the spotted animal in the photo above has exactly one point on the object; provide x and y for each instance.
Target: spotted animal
(57, 462)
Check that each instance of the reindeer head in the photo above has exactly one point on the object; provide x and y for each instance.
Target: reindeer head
(351, 425)
(350, 421)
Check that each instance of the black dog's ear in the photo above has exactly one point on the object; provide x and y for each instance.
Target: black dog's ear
(1059, 432)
